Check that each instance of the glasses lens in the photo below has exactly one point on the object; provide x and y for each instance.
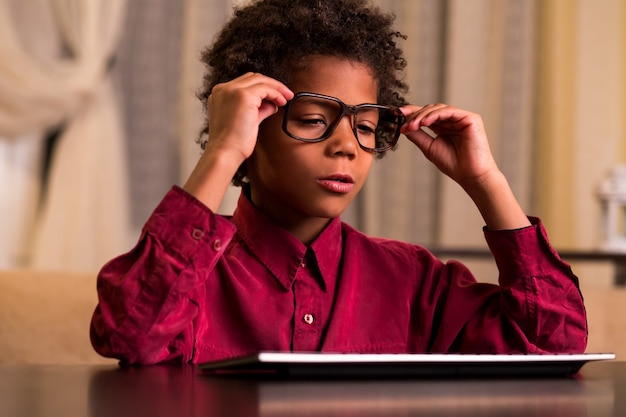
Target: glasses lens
(377, 127)
(313, 118)
(310, 118)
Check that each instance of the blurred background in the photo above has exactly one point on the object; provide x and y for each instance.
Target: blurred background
(98, 119)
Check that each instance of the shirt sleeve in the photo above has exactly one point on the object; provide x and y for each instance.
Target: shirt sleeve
(144, 312)
(538, 308)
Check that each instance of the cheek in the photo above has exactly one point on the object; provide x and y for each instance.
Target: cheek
(273, 161)
(272, 142)
(363, 162)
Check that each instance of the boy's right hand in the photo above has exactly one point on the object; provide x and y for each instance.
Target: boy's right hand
(235, 109)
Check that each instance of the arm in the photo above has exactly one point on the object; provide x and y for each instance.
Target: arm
(538, 306)
(146, 298)
(236, 109)
(539, 292)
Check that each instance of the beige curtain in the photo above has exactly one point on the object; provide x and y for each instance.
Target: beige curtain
(580, 112)
(83, 219)
(547, 77)
(400, 198)
(21, 157)
(202, 20)
(477, 55)
(490, 70)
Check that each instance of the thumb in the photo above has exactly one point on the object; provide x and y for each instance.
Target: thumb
(267, 109)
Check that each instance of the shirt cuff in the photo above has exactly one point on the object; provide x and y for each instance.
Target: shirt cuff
(184, 226)
(523, 252)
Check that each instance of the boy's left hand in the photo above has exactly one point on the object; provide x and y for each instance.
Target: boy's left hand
(460, 149)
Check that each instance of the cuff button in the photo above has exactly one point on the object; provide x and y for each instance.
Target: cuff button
(197, 234)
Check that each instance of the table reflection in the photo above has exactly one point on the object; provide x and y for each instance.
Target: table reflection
(172, 391)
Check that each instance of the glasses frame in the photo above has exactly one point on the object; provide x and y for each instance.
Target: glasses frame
(346, 110)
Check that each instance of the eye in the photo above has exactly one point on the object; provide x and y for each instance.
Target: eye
(366, 123)
(313, 121)
(367, 120)
(366, 128)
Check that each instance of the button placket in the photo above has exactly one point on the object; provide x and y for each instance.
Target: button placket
(308, 314)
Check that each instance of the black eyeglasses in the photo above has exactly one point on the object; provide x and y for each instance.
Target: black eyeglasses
(311, 117)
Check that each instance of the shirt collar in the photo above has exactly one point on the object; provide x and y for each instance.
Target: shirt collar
(280, 251)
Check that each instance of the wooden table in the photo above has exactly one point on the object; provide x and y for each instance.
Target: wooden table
(103, 391)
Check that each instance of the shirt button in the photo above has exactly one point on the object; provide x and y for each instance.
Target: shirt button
(197, 234)
(308, 318)
(217, 244)
(303, 264)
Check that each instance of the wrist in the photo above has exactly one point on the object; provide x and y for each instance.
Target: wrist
(484, 185)
(212, 175)
(496, 202)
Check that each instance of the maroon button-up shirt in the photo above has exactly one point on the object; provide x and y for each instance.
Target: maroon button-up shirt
(199, 286)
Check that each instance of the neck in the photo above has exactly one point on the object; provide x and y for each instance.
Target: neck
(306, 232)
(305, 228)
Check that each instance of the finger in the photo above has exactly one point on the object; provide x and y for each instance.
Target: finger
(422, 128)
(260, 83)
(259, 99)
(450, 117)
(267, 109)
(277, 94)
(251, 89)
(412, 114)
(416, 114)
(423, 137)
(430, 113)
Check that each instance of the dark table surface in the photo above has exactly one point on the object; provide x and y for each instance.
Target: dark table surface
(50, 390)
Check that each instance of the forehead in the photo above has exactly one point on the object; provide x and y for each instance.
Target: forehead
(350, 81)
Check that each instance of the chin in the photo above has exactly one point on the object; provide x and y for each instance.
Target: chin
(329, 211)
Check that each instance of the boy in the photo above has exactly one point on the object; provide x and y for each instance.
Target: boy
(301, 97)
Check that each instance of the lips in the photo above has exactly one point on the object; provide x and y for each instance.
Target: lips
(337, 183)
(345, 178)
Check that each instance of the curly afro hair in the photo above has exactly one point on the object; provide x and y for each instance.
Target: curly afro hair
(274, 38)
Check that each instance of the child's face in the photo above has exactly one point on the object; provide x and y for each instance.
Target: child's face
(297, 182)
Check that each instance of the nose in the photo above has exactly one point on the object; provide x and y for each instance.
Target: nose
(342, 141)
